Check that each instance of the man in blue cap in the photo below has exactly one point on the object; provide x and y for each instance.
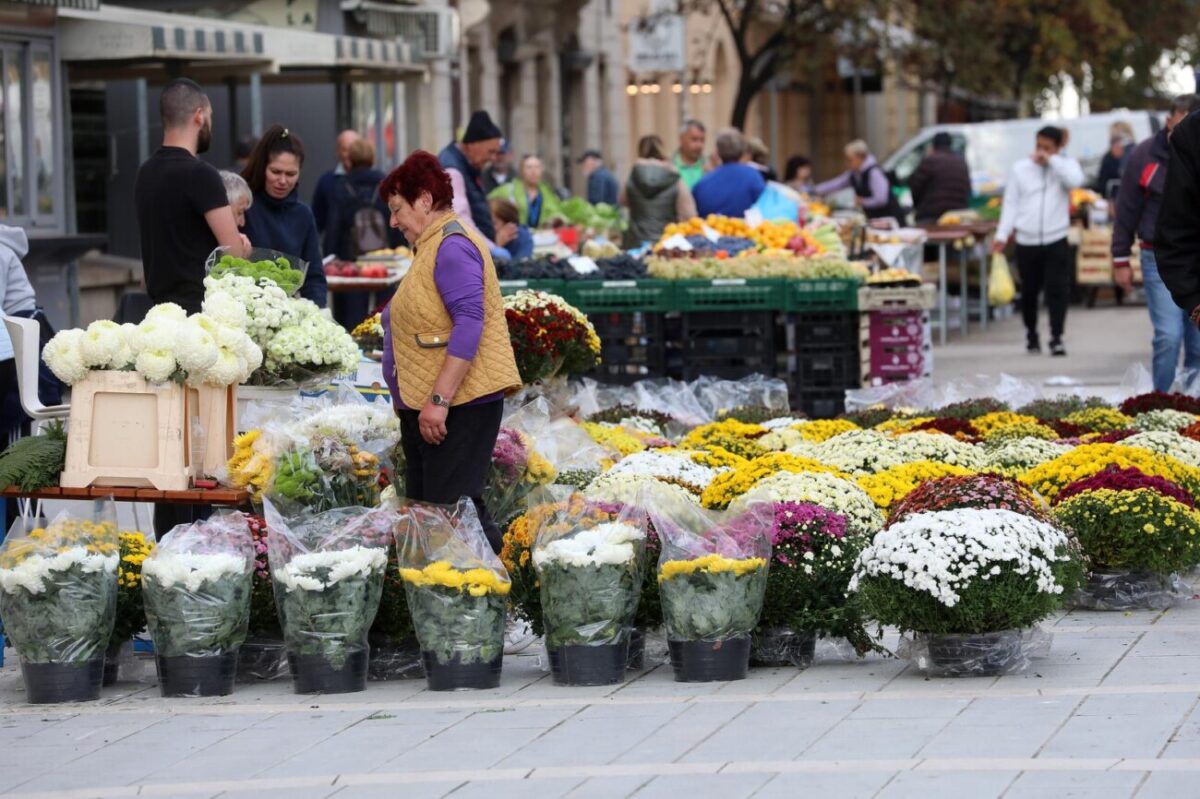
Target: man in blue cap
(465, 161)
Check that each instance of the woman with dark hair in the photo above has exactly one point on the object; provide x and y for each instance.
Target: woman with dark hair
(277, 219)
(448, 360)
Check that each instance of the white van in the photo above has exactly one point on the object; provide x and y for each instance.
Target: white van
(991, 148)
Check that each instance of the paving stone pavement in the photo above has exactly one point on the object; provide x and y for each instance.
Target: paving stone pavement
(1112, 711)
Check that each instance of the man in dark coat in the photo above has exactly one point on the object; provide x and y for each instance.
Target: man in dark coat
(941, 182)
(465, 161)
(1177, 234)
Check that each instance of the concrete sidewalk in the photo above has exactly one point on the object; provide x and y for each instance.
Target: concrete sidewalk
(1111, 712)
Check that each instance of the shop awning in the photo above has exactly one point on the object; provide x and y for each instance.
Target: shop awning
(430, 32)
(120, 42)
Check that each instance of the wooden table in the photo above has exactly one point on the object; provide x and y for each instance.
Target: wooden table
(195, 496)
(942, 237)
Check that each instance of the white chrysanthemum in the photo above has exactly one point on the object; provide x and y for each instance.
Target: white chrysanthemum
(1021, 454)
(353, 422)
(1181, 448)
(664, 465)
(191, 570)
(195, 347)
(226, 310)
(62, 354)
(155, 334)
(315, 571)
(1163, 420)
(156, 366)
(608, 544)
(33, 571)
(820, 488)
(227, 370)
(941, 553)
(626, 489)
(101, 344)
(166, 311)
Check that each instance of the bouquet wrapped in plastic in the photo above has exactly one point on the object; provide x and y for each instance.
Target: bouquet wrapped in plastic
(58, 595)
(457, 594)
(196, 586)
(712, 576)
(328, 581)
(590, 573)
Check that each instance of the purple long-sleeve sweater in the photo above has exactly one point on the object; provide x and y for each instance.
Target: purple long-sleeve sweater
(458, 275)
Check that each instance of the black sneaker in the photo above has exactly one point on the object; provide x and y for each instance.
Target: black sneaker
(1057, 349)
(1033, 347)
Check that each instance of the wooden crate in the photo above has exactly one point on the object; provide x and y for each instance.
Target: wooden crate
(124, 431)
(1093, 264)
(217, 416)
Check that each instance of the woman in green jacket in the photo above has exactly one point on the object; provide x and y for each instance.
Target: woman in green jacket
(535, 200)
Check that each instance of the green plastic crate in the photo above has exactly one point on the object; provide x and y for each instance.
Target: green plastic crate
(822, 294)
(621, 296)
(732, 294)
(508, 287)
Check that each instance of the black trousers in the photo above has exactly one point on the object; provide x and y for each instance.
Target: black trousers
(1047, 269)
(458, 467)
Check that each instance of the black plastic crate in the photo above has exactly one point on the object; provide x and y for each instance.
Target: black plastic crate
(825, 330)
(735, 346)
(626, 325)
(821, 403)
(728, 368)
(828, 370)
(733, 322)
(624, 374)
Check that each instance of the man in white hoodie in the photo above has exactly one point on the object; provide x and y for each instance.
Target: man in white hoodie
(1037, 202)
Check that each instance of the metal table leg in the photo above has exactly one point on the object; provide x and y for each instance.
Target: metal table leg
(942, 321)
(964, 290)
(984, 306)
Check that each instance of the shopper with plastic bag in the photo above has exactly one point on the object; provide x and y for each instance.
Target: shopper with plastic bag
(327, 570)
(58, 596)
(196, 586)
(712, 577)
(590, 573)
(457, 594)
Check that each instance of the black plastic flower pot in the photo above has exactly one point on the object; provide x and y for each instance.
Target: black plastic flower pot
(637, 650)
(262, 659)
(314, 674)
(112, 665)
(458, 676)
(51, 683)
(1127, 590)
(782, 648)
(981, 655)
(711, 661)
(589, 665)
(207, 675)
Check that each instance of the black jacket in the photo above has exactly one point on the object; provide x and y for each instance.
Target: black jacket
(1141, 195)
(481, 214)
(940, 183)
(1177, 236)
(350, 192)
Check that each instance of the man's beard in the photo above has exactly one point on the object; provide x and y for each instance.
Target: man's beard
(204, 138)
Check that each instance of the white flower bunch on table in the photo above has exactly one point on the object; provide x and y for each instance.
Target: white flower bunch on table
(168, 344)
(261, 309)
(608, 544)
(352, 422)
(820, 488)
(316, 571)
(669, 465)
(33, 571)
(1181, 448)
(191, 570)
(313, 341)
(941, 553)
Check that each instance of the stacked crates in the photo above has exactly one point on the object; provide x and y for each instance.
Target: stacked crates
(630, 320)
(895, 335)
(728, 326)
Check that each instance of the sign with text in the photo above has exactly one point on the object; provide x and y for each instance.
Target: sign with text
(656, 44)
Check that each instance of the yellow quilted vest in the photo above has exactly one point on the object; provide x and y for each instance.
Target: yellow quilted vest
(421, 325)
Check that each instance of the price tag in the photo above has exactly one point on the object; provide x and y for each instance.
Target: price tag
(619, 284)
(730, 281)
(514, 284)
(709, 233)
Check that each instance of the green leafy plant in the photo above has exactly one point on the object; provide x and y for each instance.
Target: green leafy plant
(35, 461)
(197, 604)
(712, 598)
(279, 271)
(1138, 530)
(456, 625)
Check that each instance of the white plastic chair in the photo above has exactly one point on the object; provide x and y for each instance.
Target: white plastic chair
(25, 335)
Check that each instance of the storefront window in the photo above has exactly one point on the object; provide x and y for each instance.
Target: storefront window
(30, 168)
(44, 155)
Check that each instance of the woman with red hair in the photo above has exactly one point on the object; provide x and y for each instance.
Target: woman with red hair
(448, 360)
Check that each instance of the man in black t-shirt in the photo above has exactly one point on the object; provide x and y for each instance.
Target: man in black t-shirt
(182, 210)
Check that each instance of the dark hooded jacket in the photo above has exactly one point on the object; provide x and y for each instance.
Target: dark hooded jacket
(656, 197)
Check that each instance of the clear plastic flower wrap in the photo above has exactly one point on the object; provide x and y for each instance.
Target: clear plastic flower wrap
(58, 595)
(975, 655)
(1121, 590)
(457, 593)
(712, 577)
(286, 271)
(327, 569)
(517, 466)
(196, 586)
(591, 573)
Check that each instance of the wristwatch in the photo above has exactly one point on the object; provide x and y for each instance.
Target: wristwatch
(440, 401)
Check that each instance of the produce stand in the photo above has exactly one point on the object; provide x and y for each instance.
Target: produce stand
(943, 237)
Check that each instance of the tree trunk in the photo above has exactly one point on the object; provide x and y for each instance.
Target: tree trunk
(747, 89)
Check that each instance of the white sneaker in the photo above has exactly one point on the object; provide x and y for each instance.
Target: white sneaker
(518, 636)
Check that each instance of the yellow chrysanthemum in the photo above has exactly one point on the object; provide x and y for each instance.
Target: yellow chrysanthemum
(888, 487)
(824, 429)
(615, 438)
(477, 582)
(731, 435)
(902, 425)
(728, 486)
(1086, 460)
(712, 564)
(1100, 420)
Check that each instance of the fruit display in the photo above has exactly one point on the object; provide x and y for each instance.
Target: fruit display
(893, 277)
(278, 271)
(367, 271)
(389, 252)
(736, 238)
(764, 265)
(619, 267)
(596, 249)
